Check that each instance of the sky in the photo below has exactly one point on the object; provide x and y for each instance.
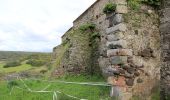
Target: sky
(37, 25)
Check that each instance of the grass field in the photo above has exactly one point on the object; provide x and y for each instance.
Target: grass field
(23, 67)
(80, 91)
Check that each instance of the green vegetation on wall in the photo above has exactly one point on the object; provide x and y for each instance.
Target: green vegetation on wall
(87, 26)
(109, 8)
(152, 2)
(135, 4)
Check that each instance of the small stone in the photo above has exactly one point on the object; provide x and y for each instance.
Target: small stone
(122, 71)
(147, 53)
(137, 74)
(131, 70)
(127, 75)
(126, 66)
(111, 46)
(150, 11)
(139, 80)
(130, 82)
(130, 59)
(121, 43)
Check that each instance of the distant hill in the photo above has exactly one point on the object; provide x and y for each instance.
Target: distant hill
(16, 55)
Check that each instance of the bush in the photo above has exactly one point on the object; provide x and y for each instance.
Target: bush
(109, 8)
(87, 26)
(36, 63)
(135, 4)
(43, 71)
(11, 84)
(12, 64)
(152, 2)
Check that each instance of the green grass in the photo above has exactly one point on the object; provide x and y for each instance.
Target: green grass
(80, 91)
(20, 68)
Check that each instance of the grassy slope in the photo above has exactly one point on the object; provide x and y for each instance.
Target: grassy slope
(81, 91)
(23, 67)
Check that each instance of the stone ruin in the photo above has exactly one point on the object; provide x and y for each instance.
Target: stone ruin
(130, 47)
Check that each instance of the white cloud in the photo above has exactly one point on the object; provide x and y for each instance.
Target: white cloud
(36, 25)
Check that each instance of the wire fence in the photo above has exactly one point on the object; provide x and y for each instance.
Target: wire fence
(55, 93)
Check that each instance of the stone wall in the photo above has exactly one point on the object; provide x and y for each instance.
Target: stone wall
(165, 44)
(131, 53)
(129, 48)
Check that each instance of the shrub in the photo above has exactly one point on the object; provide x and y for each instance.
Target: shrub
(12, 64)
(36, 63)
(109, 8)
(43, 71)
(152, 2)
(87, 26)
(135, 4)
(11, 84)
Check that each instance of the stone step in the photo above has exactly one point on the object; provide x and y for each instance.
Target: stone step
(117, 28)
(117, 44)
(119, 52)
(118, 60)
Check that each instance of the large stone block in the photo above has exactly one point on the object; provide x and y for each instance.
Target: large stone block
(112, 37)
(118, 18)
(115, 37)
(119, 52)
(120, 43)
(118, 60)
(110, 71)
(118, 28)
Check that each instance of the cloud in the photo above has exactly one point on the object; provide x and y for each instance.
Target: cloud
(37, 25)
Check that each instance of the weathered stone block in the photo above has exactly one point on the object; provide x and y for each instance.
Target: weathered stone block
(118, 60)
(118, 28)
(118, 18)
(110, 71)
(147, 52)
(122, 9)
(112, 38)
(119, 52)
(121, 43)
(130, 82)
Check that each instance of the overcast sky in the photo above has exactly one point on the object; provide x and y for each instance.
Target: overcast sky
(37, 25)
